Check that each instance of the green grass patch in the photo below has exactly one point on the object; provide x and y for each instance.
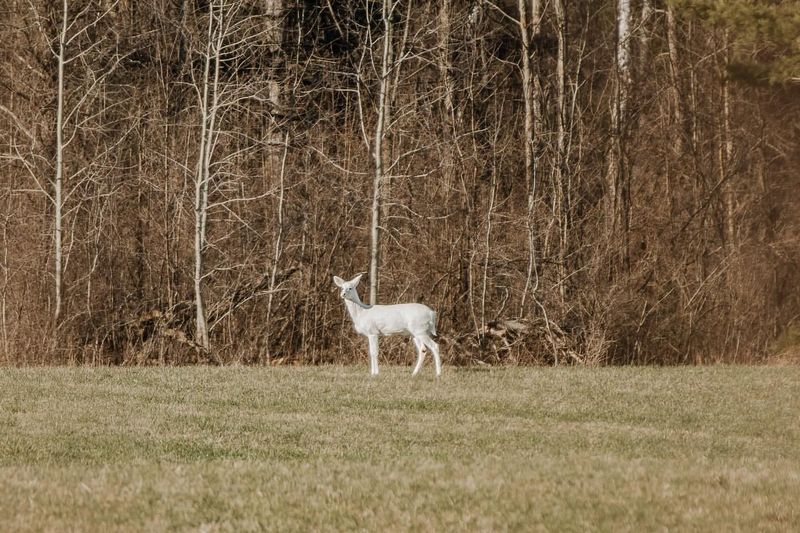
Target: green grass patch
(329, 448)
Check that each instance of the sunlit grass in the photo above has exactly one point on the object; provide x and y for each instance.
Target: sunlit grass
(238, 449)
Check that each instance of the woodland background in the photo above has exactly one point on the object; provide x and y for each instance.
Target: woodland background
(593, 182)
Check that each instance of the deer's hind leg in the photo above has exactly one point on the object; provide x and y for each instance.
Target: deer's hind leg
(420, 355)
(430, 343)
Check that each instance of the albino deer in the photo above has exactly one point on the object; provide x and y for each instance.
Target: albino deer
(373, 321)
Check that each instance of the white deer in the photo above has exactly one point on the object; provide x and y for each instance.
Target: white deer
(373, 321)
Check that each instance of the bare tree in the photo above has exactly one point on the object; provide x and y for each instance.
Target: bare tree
(232, 33)
(561, 188)
(76, 114)
(617, 176)
(529, 29)
(726, 151)
(209, 105)
(57, 181)
(278, 248)
(378, 149)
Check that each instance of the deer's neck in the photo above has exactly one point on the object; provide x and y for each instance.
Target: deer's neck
(356, 308)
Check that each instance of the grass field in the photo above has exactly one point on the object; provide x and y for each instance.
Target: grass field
(329, 448)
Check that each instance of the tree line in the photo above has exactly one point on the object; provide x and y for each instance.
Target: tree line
(598, 182)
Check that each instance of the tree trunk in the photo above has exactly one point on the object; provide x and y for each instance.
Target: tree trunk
(644, 36)
(278, 249)
(202, 182)
(446, 78)
(4, 293)
(445, 63)
(561, 187)
(59, 166)
(532, 119)
(726, 155)
(617, 194)
(488, 243)
(378, 154)
(677, 93)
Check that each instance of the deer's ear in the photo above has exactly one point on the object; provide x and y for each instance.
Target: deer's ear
(338, 281)
(356, 279)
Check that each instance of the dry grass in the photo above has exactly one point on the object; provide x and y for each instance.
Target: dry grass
(328, 448)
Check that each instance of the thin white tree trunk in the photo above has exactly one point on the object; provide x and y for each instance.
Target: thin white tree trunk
(563, 207)
(201, 195)
(59, 165)
(726, 155)
(617, 186)
(623, 55)
(530, 99)
(6, 268)
(693, 111)
(278, 242)
(378, 153)
(488, 246)
(274, 11)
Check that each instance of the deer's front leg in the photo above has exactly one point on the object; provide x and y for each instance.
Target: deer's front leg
(373, 354)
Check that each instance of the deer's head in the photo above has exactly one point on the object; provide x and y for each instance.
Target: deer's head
(348, 288)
